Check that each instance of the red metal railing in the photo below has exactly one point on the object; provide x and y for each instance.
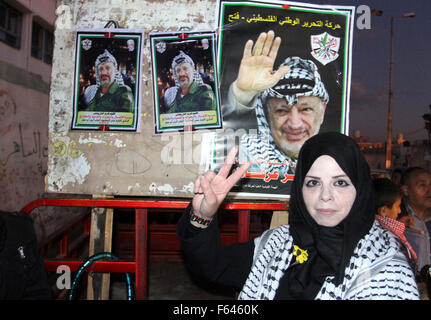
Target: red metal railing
(139, 266)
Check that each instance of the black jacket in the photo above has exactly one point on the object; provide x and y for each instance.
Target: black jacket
(22, 272)
(206, 257)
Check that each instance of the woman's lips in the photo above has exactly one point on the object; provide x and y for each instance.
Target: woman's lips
(326, 212)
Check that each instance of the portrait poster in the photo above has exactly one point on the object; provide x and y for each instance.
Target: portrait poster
(107, 82)
(316, 44)
(185, 86)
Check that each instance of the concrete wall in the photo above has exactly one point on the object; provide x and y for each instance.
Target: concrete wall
(24, 144)
(122, 164)
(24, 101)
(109, 163)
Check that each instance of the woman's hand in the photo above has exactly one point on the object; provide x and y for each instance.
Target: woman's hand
(211, 189)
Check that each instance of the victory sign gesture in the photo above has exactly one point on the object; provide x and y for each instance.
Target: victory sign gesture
(211, 189)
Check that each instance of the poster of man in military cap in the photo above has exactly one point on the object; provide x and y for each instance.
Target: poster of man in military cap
(284, 76)
(186, 93)
(107, 82)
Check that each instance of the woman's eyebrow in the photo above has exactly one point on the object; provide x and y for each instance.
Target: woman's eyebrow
(340, 176)
(334, 177)
(314, 177)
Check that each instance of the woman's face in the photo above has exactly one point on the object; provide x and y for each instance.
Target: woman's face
(328, 192)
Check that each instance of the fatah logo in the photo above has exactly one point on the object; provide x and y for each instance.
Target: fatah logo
(86, 44)
(161, 46)
(325, 47)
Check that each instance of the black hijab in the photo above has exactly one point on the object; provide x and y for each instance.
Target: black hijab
(329, 248)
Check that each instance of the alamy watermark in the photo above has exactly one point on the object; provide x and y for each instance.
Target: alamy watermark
(187, 148)
(363, 17)
(64, 278)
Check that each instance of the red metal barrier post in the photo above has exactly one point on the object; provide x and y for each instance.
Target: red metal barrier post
(141, 253)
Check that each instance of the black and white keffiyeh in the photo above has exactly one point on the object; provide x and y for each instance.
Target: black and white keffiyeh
(377, 269)
(171, 92)
(258, 148)
(106, 56)
(303, 79)
(91, 91)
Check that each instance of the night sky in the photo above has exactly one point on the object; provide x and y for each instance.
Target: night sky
(370, 70)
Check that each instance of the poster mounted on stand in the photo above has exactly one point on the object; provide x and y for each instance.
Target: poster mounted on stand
(285, 70)
(107, 82)
(185, 88)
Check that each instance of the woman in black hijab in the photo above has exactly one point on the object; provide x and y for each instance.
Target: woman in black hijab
(332, 247)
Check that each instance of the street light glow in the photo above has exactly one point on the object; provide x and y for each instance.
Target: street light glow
(378, 13)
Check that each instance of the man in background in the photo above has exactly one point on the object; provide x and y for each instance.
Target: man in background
(416, 188)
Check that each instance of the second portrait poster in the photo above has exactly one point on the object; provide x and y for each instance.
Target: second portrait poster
(185, 87)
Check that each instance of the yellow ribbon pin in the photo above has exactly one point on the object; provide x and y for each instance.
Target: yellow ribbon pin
(301, 255)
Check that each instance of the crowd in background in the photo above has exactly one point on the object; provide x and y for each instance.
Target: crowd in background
(403, 206)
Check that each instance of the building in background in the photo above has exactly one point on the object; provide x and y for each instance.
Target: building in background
(26, 46)
(26, 54)
(404, 153)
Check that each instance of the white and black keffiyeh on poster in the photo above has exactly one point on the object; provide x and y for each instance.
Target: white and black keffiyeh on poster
(107, 83)
(185, 89)
(270, 121)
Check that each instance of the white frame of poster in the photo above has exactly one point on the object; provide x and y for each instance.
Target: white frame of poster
(90, 44)
(165, 46)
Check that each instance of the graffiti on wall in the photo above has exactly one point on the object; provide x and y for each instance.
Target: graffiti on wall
(23, 155)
